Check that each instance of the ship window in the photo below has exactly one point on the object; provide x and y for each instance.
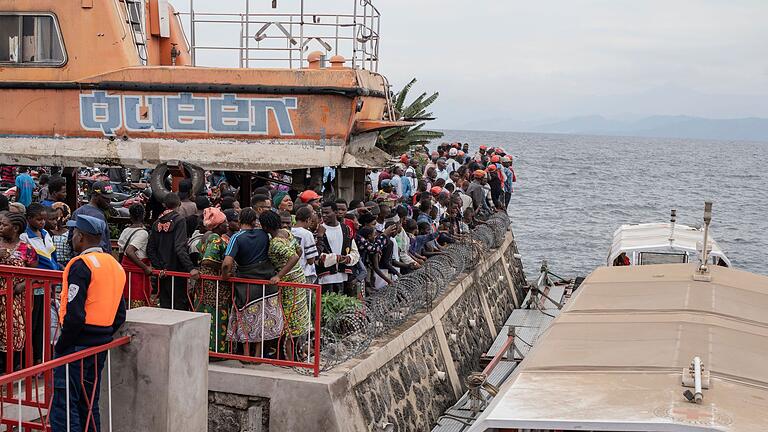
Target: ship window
(647, 258)
(30, 40)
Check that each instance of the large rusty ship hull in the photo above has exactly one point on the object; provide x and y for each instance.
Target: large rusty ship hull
(115, 84)
(140, 117)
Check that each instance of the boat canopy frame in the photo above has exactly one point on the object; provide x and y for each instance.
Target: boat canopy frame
(634, 239)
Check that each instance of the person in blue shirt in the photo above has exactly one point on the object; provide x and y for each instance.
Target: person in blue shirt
(41, 241)
(510, 177)
(99, 203)
(57, 191)
(25, 184)
(407, 186)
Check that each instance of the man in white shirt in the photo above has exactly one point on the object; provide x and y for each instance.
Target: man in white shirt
(373, 177)
(410, 172)
(442, 171)
(305, 218)
(396, 181)
(338, 251)
(452, 164)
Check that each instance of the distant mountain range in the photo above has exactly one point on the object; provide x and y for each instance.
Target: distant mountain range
(751, 129)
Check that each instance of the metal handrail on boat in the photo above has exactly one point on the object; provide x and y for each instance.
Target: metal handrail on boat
(284, 39)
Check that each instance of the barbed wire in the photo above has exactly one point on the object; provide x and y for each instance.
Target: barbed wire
(352, 331)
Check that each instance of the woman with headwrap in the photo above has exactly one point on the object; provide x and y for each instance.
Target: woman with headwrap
(14, 252)
(282, 202)
(212, 297)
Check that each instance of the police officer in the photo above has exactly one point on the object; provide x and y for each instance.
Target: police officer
(92, 309)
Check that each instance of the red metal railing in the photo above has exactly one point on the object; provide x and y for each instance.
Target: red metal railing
(298, 347)
(26, 306)
(27, 381)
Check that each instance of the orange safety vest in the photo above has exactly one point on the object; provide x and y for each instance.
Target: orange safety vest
(104, 292)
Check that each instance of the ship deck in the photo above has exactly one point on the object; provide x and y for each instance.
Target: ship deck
(618, 354)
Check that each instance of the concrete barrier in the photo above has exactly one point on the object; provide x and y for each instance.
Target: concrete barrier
(160, 379)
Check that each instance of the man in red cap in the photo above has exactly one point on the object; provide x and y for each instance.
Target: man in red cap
(494, 181)
(480, 153)
(461, 157)
(310, 197)
(477, 193)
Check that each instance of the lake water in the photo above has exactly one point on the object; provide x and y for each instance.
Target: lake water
(573, 191)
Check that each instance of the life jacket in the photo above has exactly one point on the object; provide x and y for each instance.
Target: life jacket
(105, 290)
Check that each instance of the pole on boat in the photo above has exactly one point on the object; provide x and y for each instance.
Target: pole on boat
(703, 272)
(672, 221)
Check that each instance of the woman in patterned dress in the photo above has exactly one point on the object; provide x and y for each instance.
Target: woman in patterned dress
(17, 254)
(284, 253)
(213, 248)
(256, 321)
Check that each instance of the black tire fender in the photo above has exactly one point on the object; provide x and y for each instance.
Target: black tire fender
(160, 173)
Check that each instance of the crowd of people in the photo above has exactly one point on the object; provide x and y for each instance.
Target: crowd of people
(410, 212)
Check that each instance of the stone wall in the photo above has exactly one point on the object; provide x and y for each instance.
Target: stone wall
(494, 286)
(467, 331)
(407, 392)
(229, 412)
(515, 267)
(404, 381)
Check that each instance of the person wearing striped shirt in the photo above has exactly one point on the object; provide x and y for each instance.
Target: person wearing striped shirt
(305, 219)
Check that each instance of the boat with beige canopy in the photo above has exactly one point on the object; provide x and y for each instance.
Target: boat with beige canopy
(651, 347)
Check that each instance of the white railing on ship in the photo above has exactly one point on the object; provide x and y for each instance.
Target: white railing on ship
(280, 39)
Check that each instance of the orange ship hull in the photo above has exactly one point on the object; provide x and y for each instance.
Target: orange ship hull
(103, 107)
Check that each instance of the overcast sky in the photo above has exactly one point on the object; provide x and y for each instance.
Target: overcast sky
(529, 60)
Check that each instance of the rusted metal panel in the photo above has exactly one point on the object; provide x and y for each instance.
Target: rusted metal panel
(374, 125)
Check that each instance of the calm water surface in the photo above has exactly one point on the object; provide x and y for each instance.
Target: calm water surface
(573, 191)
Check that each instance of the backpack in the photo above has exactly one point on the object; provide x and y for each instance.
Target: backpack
(121, 253)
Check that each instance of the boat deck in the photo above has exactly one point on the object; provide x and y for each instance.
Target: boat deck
(529, 324)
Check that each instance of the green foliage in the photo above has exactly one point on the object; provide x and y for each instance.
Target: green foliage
(396, 141)
(334, 304)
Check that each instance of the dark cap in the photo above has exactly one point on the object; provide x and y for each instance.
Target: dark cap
(231, 215)
(372, 207)
(102, 188)
(88, 224)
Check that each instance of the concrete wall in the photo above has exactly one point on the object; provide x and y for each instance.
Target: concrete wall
(159, 380)
(406, 379)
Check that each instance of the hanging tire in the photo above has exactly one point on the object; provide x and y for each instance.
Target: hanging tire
(160, 174)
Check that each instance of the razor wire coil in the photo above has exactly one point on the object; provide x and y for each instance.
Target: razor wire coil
(352, 331)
